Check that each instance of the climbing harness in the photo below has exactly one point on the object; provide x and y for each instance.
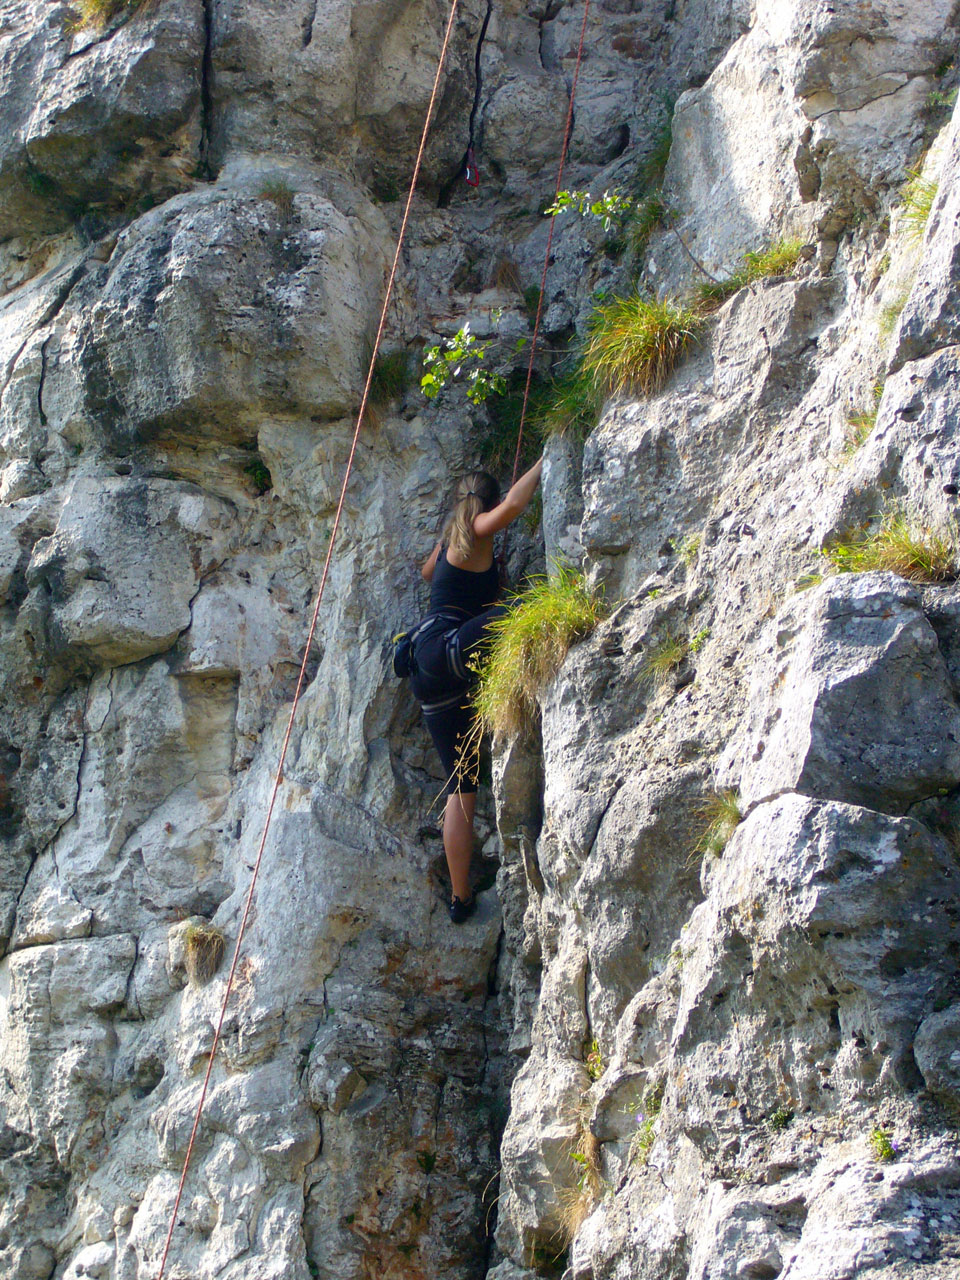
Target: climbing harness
(310, 635)
(278, 777)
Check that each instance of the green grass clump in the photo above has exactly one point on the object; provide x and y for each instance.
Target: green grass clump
(655, 165)
(391, 377)
(259, 474)
(498, 443)
(779, 260)
(720, 815)
(636, 342)
(99, 13)
(917, 197)
(280, 193)
(663, 658)
(903, 544)
(528, 644)
(569, 406)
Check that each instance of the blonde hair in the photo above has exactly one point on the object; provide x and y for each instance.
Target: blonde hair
(476, 492)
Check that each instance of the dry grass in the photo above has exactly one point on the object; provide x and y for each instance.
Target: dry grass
(578, 1202)
(634, 343)
(100, 13)
(527, 646)
(506, 276)
(917, 197)
(719, 816)
(280, 193)
(904, 544)
(663, 658)
(203, 952)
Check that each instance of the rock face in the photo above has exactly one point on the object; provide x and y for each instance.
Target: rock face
(687, 1055)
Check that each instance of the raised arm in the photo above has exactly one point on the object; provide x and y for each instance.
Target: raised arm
(516, 501)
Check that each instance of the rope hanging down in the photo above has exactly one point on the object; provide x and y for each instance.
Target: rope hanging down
(546, 256)
(313, 627)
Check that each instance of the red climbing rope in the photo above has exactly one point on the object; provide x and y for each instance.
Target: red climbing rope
(313, 626)
(546, 256)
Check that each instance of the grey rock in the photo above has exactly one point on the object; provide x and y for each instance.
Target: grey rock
(862, 708)
(937, 1051)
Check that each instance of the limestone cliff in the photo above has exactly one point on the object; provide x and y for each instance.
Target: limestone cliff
(673, 1059)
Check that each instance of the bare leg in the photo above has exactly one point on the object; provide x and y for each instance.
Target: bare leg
(458, 840)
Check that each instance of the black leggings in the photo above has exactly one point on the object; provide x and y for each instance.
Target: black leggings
(443, 650)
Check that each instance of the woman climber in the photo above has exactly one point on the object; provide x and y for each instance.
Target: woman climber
(464, 585)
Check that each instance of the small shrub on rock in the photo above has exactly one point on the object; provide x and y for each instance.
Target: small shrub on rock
(570, 406)
(528, 644)
(882, 1144)
(391, 377)
(635, 343)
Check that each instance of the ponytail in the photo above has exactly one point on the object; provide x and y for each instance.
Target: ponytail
(476, 493)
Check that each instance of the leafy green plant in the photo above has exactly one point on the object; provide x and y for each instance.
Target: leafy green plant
(279, 192)
(531, 300)
(384, 189)
(646, 1115)
(203, 952)
(904, 544)
(719, 816)
(781, 1119)
(636, 342)
(391, 377)
(462, 354)
(569, 406)
(498, 442)
(779, 260)
(611, 208)
(427, 1161)
(593, 1059)
(884, 1148)
(940, 101)
(699, 640)
(688, 548)
(663, 658)
(528, 644)
(916, 197)
(259, 474)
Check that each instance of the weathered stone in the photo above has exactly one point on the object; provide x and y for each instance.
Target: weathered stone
(937, 1051)
(852, 701)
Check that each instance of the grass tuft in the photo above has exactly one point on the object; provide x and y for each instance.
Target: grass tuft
(578, 1202)
(100, 13)
(720, 815)
(528, 644)
(636, 342)
(779, 260)
(903, 544)
(203, 952)
(917, 197)
(569, 406)
(647, 217)
(391, 377)
(280, 193)
(663, 658)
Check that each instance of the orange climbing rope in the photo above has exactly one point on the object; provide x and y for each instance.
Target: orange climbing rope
(313, 626)
(546, 256)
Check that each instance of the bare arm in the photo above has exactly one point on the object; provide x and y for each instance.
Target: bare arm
(516, 501)
(430, 564)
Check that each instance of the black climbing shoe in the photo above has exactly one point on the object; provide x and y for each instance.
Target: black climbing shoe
(461, 911)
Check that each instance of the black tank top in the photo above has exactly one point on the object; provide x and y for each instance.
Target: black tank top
(465, 590)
